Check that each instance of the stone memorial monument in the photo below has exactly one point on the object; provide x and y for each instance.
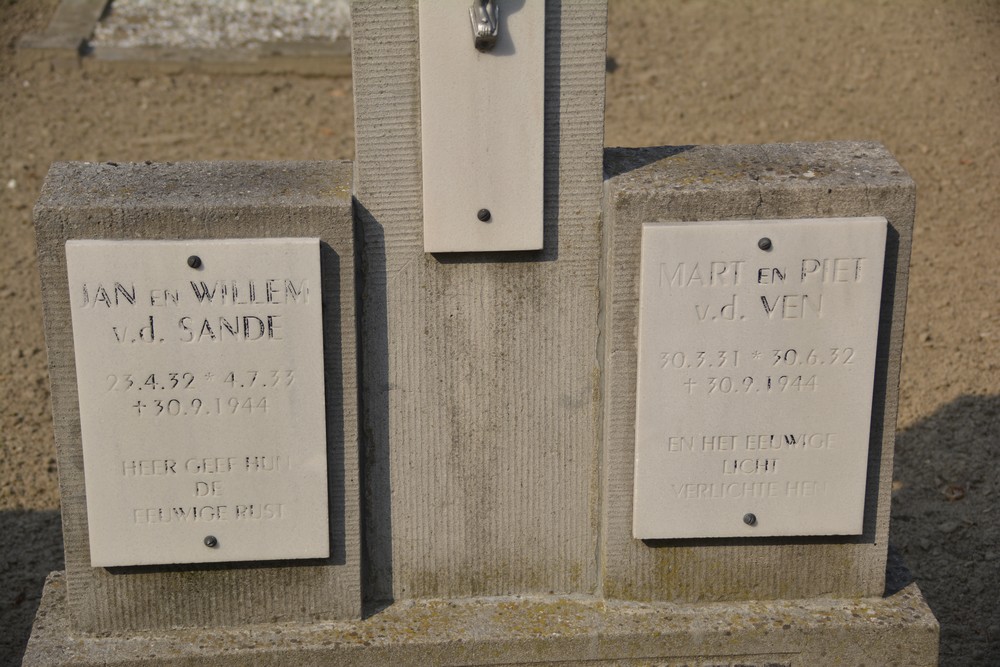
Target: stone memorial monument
(491, 395)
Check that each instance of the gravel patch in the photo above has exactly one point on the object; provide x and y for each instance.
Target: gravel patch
(221, 24)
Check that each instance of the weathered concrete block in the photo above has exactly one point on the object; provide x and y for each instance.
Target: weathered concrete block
(693, 183)
(480, 374)
(897, 630)
(210, 200)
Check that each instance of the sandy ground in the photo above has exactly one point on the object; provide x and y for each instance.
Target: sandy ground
(921, 76)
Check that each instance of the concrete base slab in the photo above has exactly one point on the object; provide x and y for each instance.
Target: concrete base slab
(895, 630)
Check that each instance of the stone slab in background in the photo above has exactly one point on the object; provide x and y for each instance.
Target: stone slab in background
(692, 183)
(306, 38)
(897, 630)
(66, 35)
(201, 201)
(221, 24)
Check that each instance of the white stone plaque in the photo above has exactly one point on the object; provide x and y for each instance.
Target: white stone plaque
(482, 117)
(756, 359)
(202, 410)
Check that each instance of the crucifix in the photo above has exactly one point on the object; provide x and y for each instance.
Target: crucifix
(482, 108)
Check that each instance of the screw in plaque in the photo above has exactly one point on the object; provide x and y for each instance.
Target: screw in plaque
(750, 519)
(764, 244)
(211, 541)
(194, 261)
(484, 215)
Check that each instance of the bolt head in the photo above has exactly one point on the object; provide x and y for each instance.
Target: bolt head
(211, 542)
(194, 261)
(764, 244)
(484, 215)
(750, 519)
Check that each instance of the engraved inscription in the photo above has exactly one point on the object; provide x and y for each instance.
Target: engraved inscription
(755, 375)
(200, 375)
(191, 472)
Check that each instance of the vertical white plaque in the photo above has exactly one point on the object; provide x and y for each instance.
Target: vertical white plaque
(756, 359)
(202, 410)
(482, 128)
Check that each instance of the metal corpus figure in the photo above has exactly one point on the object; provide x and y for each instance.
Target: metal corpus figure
(485, 17)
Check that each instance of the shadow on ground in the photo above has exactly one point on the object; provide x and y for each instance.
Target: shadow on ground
(30, 547)
(946, 522)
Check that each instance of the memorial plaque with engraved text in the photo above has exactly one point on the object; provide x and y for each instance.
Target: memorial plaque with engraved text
(201, 388)
(755, 376)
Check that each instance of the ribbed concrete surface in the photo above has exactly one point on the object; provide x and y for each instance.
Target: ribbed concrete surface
(480, 370)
